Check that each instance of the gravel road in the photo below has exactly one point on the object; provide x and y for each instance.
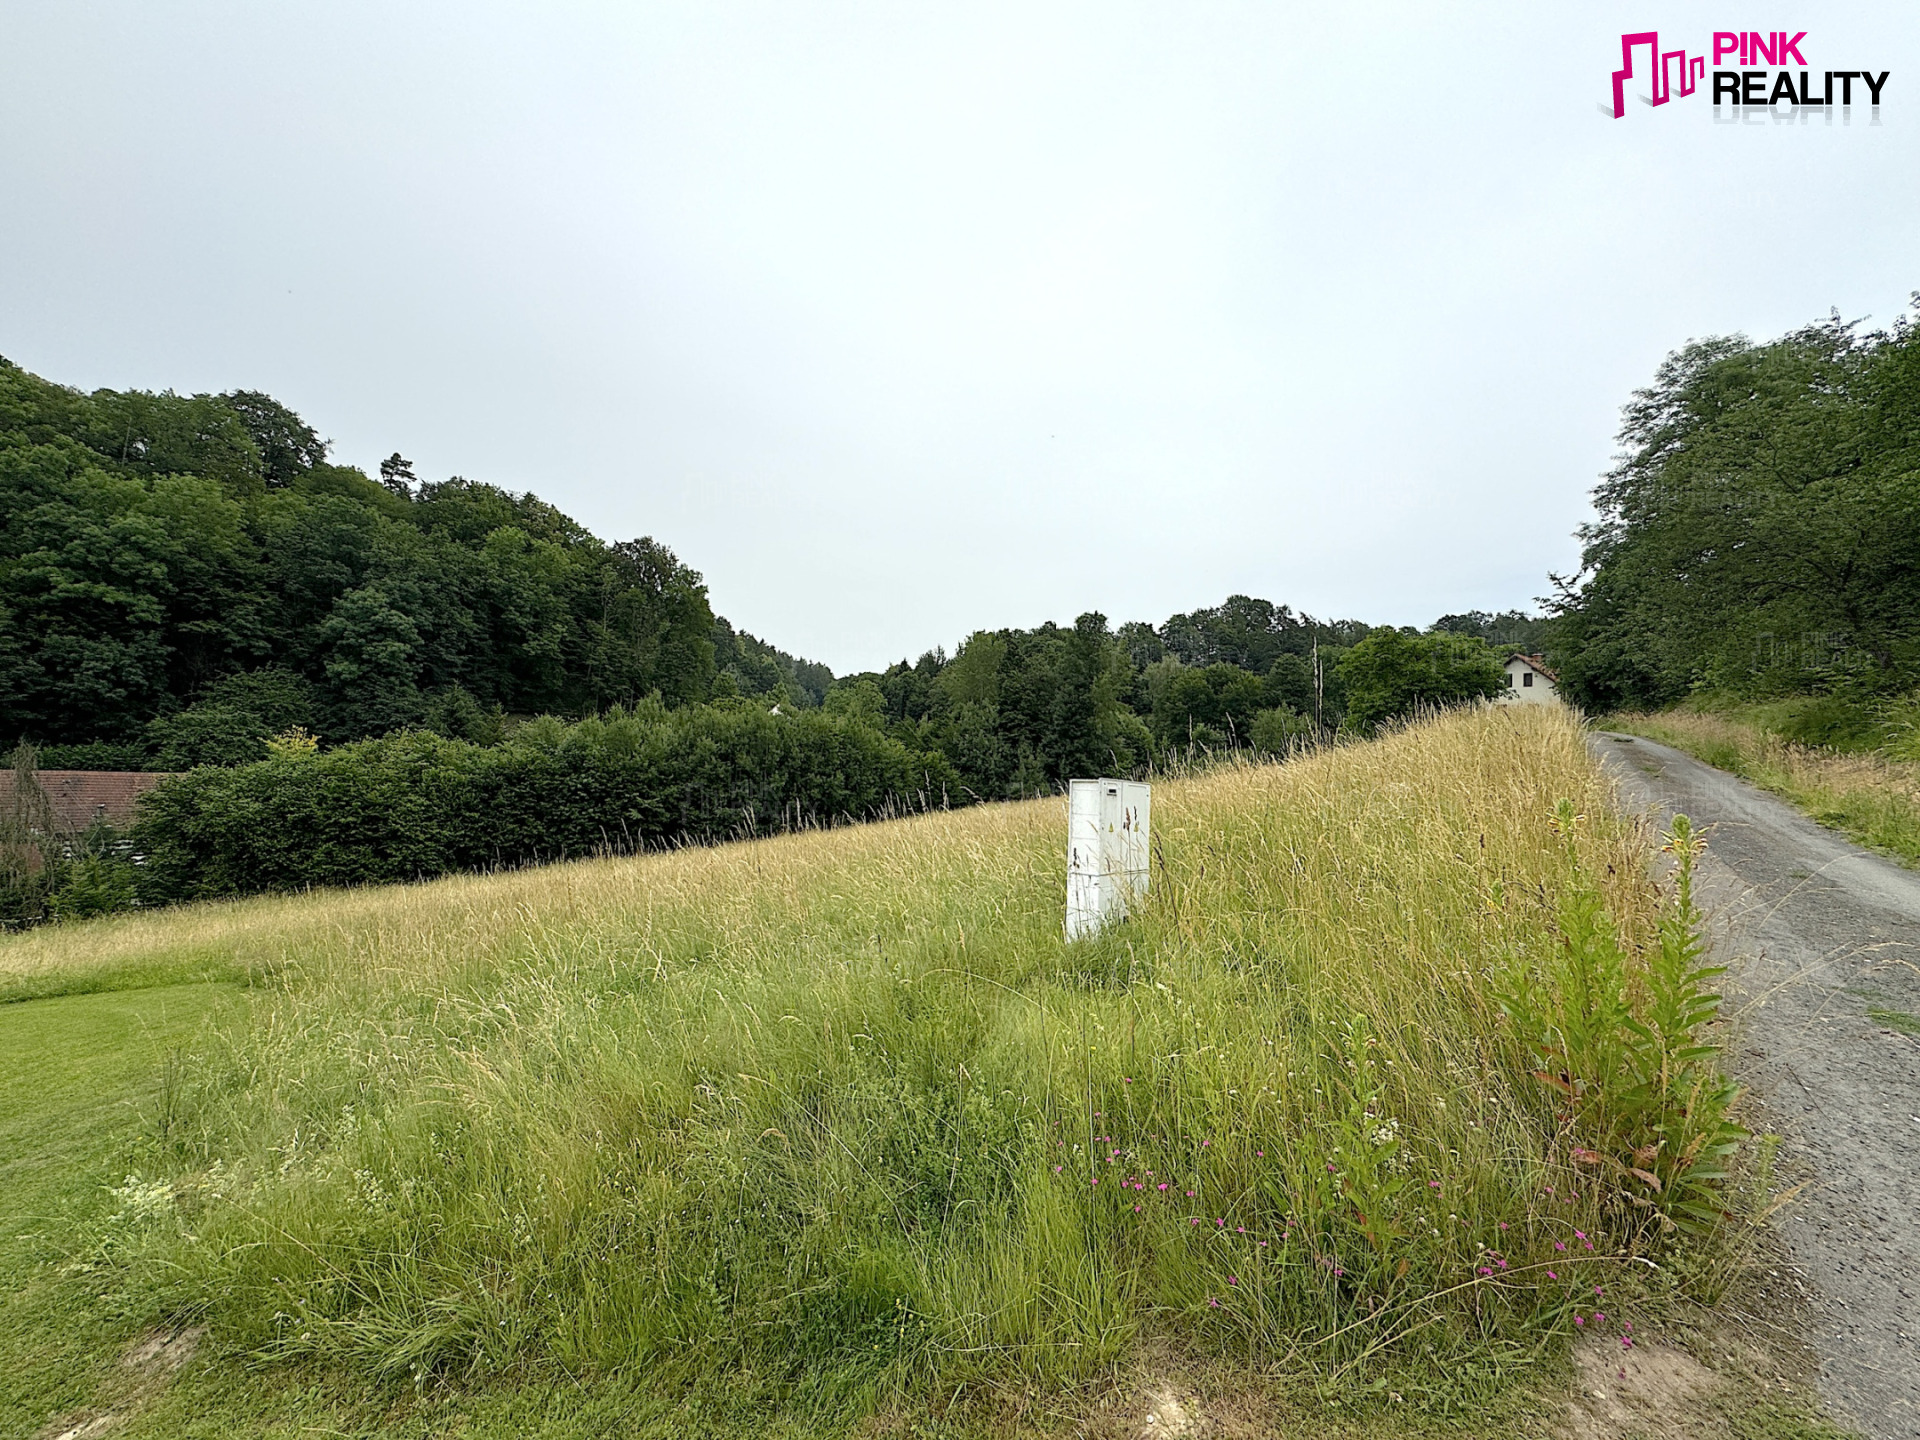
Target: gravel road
(1825, 942)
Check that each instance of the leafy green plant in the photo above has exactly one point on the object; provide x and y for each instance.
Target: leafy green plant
(1842, 721)
(1366, 1139)
(94, 885)
(1619, 1030)
(1679, 1090)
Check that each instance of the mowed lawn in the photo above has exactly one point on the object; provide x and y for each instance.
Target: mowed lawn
(83, 1083)
(834, 1133)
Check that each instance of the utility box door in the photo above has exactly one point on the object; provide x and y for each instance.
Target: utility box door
(1085, 868)
(1108, 835)
(1136, 816)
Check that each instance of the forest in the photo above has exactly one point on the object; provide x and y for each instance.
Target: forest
(182, 579)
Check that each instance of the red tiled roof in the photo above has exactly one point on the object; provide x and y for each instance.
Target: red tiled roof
(1536, 662)
(80, 797)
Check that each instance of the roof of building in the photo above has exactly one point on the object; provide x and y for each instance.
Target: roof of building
(79, 798)
(1535, 662)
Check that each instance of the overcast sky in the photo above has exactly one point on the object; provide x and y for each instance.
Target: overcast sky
(903, 320)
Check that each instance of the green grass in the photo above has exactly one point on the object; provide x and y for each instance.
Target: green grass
(798, 1137)
(1901, 1020)
(81, 1083)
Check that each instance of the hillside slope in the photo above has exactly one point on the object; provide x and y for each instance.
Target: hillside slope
(788, 1134)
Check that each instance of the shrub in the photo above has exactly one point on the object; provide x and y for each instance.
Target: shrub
(1838, 722)
(416, 804)
(95, 755)
(1278, 730)
(94, 885)
(1393, 673)
(207, 735)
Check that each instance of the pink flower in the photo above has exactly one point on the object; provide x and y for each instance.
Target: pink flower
(1552, 1276)
(1233, 1280)
(1578, 1320)
(1213, 1302)
(1559, 1245)
(1163, 1184)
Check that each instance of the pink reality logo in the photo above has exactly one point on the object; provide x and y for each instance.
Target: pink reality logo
(1747, 86)
(1692, 68)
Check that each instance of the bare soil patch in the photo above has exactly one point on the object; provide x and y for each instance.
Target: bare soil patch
(145, 1366)
(1655, 1391)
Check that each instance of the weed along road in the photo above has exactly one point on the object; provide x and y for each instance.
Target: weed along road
(1826, 994)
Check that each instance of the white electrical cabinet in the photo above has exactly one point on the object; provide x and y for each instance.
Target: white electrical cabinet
(1107, 856)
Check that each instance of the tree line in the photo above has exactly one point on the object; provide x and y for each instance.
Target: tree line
(1019, 712)
(385, 678)
(182, 577)
(1760, 533)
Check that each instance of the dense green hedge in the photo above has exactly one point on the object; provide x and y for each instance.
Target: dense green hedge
(415, 805)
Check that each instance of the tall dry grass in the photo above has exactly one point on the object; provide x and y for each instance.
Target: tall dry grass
(840, 1113)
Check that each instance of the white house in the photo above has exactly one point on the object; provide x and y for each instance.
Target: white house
(1530, 682)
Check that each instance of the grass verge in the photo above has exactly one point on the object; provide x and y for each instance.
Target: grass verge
(1870, 797)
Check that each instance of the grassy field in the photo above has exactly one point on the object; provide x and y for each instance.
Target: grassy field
(1870, 795)
(79, 1087)
(834, 1134)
